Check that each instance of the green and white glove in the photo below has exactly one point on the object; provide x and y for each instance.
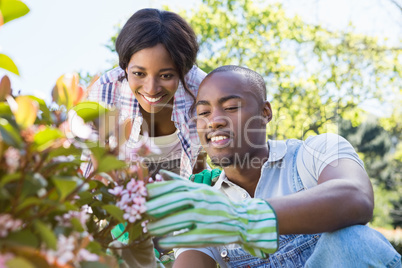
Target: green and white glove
(208, 177)
(206, 217)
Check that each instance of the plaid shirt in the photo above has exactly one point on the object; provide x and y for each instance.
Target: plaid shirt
(112, 89)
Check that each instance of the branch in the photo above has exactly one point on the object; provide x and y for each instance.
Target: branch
(396, 4)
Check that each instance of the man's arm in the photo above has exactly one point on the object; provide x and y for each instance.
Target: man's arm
(343, 197)
(195, 259)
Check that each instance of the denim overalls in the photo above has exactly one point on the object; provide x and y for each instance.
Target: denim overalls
(293, 251)
(354, 246)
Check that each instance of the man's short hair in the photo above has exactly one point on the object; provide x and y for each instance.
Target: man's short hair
(255, 80)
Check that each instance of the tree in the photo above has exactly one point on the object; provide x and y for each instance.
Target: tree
(313, 75)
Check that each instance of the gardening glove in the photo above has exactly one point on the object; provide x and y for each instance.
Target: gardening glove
(206, 217)
(208, 177)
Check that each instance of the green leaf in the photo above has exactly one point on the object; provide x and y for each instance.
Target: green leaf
(28, 202)
(135, 231)
(77, 225)
(43, 108)
(85, 198)
(7, 64)
(23, 237)
(9, 178)
(65, 185)
(19, 262)
(5, 109)
(116, 212)
(46, 137)
(109, 163)
(61, 151)
(46, 234)
(89, 110)
(10, 134)
(12, 9)
(94, 247)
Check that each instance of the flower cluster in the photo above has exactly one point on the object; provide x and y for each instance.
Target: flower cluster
(131, 199)
(51, 212)
(67, 252)
(82, 216)
(8, 224)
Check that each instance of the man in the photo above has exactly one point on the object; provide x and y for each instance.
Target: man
(307, 192)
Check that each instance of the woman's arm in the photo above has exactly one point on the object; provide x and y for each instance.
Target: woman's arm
(201, 162)
(343, 197)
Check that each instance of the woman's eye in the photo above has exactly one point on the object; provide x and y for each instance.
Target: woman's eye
(138, 73)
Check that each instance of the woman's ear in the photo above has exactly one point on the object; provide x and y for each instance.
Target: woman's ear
(266, 112)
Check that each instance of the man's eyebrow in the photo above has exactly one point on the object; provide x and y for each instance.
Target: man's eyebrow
(202, 102)
(226, 98)
(220, 101)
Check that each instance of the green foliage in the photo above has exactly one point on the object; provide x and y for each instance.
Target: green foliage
(314, 76)
(45, 200)
(383, 206)
(12, 9)
(7, 64)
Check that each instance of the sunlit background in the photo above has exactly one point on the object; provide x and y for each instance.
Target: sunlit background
(58, 37)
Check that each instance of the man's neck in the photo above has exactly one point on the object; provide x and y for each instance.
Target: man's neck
(247, 173)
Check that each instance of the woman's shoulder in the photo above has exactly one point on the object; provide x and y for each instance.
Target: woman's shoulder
(113, 76)
(107, 87)
(194, 77)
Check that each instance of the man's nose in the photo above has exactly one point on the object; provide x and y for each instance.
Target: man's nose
(217, 121)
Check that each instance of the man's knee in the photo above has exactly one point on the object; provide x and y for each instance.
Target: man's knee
(356, 245)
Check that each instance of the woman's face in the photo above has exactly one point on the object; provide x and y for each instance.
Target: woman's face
(153, 78)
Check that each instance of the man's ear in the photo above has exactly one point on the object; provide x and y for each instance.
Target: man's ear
(266, 112)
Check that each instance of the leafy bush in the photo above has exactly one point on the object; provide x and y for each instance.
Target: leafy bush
(50, 213)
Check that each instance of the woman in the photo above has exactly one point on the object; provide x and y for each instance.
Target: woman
(154, 87)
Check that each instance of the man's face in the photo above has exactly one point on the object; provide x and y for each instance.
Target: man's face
(231, 120)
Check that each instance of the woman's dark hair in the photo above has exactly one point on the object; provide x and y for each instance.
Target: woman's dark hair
(149, 27)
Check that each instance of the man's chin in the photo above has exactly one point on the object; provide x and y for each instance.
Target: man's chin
(222, 161)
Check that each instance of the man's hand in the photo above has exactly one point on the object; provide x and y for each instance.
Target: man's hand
(208, 177)
(206, 217)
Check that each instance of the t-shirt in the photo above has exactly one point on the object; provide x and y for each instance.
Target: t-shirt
(308, 157)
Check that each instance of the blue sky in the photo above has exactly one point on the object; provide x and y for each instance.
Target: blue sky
(60, 36)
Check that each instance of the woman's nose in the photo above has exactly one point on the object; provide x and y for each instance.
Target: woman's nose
(151, 86)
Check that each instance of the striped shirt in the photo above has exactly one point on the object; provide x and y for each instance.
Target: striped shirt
(112, 89)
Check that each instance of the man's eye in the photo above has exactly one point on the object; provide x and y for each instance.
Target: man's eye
(202, 113)
(233, 108)
(167, 76)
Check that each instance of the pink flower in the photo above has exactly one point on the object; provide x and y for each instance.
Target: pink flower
(158, 177)
(4, 258)
(64, 252)
(82, 216)
(12, 157)
(117, 191)
(8, 224)
(85, 255)
(132, 200)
